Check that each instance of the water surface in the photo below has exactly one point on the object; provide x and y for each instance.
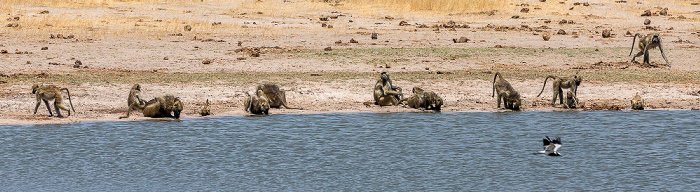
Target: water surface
(602, 151)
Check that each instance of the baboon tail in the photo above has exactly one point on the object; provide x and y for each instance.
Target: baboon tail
(633, 39)
(493, 84)
(69, 100)
(545, 84)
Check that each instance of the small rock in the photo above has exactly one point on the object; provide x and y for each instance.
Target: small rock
(165, 58)
(524, 10)
(664, 12)
(460, 40)
(78, 62)
(44, 12)
(240, 43)
(515, 17)
(241, 58)
(561, 32)
(606, 33)
(570, 22)
(646, 13)
(330, 26)
(374, 35)
(545, 37)
(328, 49)
(256, 54)
(339, 42)
(389, 17)
(352, 40)
(71, 36)
(206, 61)
(52, 36)
(403, 23)
(324, 25)
(647, 21)
(323, 18)
(629, 34)
(13, 25)
(45, 48)
(188, 28)
(586, 4)
(577, 3)
(4, 51)
(563, 21)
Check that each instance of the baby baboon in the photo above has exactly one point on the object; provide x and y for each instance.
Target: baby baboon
(205, 110)
(134, 100)
(275, 96)
(646, 43)
(571, 101)
(423, 100)
(165, 106)
(257, 104)
(637, 102)
(562, 83)
(385, 93)
(51, 92)
(506, 93)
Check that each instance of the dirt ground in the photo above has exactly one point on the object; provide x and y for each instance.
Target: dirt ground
(234, 47)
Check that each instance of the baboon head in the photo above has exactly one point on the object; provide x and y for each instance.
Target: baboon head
(578, 79)
(655, 38)
(136, 87)
(433, 101)
(34, 88)
(516, 101)
(177, 108)
(385, 76)
(417, 90)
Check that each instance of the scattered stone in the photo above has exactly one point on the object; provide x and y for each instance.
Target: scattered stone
(339, 42)
(330, 26)
(215, 23)
(4, 51)
(387, 65)
(681, 17)
(333, 17)
(629, 34)
(352, 40)
(240, 43)
(323, 18)
(324, 25)
(570, 22)
(572, 8)
(586, 4)
(403, 23)
(78, 62)
(664, 12)
(188, 28)
(328, 49)
(695, 3)
(45, 48)
(460, 40)
(165, 58)
(44, 12)
(515, 17)
(577, 3)
(206, 61)
(606, 33)
(547, 21)
(240, 58)
(563, 21)
(255, 54)
(561, 32)
(389, 17)
(621, 1)
(374, 35)
(13, 25)
(71, 36)
(545, 37)
(646, 13)
(543, 0)
(29, 62)
(647, 21)
(524, 10)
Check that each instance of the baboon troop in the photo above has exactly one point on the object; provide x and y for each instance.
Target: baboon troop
(205, 110)
(51, 92)
(646, 43)
(134, 101)
(164, 106)
(562, 83)
(420, 99)
(257, 104)
(637, 102)
(275, 96)
(506, 93)
(385, 93)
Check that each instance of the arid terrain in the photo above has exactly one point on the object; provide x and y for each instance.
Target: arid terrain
(324, 56)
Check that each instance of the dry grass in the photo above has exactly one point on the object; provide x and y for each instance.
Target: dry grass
(444, 6)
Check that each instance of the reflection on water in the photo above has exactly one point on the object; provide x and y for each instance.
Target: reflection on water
(650, 150)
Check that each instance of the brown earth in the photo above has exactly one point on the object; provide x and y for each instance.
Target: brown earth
(232, 48)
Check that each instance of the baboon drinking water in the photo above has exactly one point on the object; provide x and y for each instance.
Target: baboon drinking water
(646, 43)
(257, 104)
(134, 101)
(637, 102)
(423, 100)
(51, 92)
(165, 106)
(562, 83)
(205, 110)
(571, 101)
(385, 93)
(506, 93)
(275, 96)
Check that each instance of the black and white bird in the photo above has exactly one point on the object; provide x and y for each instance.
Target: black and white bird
(551, 146)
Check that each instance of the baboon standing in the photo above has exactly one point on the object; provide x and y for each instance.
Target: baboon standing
(257, 104)
(134, 100)
(51, 92)
(646, 43)
(562, 83)
(274, 95)
(385, 93)
(506, 93)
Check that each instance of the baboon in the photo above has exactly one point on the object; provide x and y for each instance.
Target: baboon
(257, 104)
(385, 93)
(51, 92)
(165, 106)
(562, 83)
(275, 96)
(134, 101)
(571, 101)
(637, 102)
(423, 100)
(205, 110)
(506, 93)
(646, 43)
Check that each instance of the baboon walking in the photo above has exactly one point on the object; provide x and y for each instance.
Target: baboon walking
(506, 93)
(562, 83)
(646, 43)
(385, 93)
(51, 92)
(134, 100)
(275, 95)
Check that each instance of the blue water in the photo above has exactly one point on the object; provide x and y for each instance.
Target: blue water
(602, 151)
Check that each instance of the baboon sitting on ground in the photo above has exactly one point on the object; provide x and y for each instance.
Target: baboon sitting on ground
(637, 102)
(51, 92)
(205, 110)
(571, 101)
(165, 106)
(134, 101)
(385, 93)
